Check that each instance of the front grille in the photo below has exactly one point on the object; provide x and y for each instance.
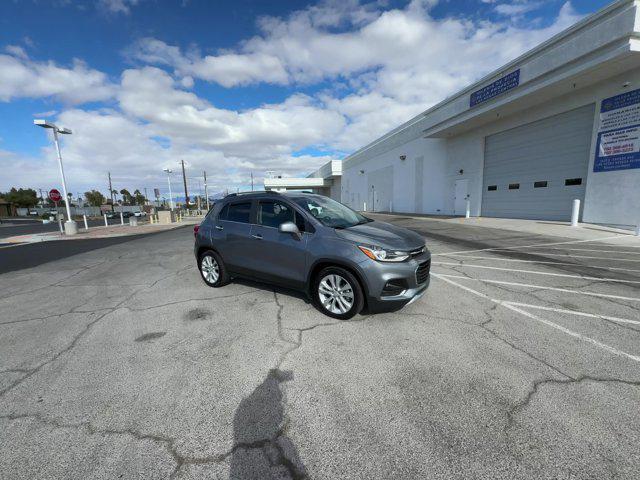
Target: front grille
(422, 272)
(417, 251)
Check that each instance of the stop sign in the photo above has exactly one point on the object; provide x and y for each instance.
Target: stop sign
(54, 195)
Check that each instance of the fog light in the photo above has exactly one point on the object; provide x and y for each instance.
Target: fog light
(393, 288)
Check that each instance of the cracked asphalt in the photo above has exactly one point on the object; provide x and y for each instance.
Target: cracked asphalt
(521, 362)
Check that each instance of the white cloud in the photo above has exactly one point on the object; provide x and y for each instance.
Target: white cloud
(16, 51)
(153, 96)
(158, 123)
(518, 7)
(305, 48)
(48, 113)
(118, 6)
(22, 77)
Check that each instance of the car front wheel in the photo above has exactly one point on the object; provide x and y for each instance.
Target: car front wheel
(338, 293)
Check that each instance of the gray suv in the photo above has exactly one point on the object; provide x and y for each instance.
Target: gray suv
(342, 260)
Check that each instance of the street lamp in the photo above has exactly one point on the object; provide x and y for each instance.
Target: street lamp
(168, 171)
(70, 227)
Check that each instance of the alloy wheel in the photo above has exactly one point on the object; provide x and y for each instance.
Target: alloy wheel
(210, 269)
(336, 294)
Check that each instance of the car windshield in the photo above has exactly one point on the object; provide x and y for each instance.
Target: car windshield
(331, 213)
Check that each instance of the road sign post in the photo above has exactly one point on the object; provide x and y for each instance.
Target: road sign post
(55, 197)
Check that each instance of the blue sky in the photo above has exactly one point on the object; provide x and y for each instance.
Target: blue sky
(240, 86)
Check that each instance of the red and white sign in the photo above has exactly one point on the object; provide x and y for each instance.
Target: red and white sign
(54, 195)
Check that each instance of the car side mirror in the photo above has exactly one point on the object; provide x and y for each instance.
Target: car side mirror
(291, 228)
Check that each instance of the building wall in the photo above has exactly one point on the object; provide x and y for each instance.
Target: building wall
(415, 183)
(612, 197)
(335, 190)
(425, 181)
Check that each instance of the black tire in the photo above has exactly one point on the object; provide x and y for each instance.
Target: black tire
(358, 296)
(222, 274)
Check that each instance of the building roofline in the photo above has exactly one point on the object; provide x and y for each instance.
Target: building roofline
(617, 4)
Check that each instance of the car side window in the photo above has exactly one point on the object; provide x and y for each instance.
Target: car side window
(301, 223)
(223, 213)
(239, 212)
(273, 213)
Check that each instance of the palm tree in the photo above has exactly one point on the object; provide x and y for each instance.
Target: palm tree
(126, 196)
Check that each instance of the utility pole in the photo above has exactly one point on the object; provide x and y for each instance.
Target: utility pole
(145, 195)
(184, 179)
(205, 189)
(110, 191)
(41, 198)
(252, 181)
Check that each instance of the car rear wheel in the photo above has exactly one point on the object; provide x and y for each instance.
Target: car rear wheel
(338, 294)
(212, 269)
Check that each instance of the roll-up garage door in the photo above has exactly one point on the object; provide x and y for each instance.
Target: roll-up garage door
(536, 171)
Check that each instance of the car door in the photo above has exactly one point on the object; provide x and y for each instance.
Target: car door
(206, 229)
(232, 234)
(276, 255)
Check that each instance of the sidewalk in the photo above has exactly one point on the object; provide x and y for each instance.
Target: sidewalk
(584, 231)
(101, 232)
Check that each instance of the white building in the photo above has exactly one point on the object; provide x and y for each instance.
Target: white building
(325, 181)
(558, 123)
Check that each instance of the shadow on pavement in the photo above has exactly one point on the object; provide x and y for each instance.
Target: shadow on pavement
(268, 287)
(262, 449)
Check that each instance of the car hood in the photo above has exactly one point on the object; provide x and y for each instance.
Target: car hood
(382, 234)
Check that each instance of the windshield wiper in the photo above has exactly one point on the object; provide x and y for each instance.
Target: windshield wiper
(342, 227)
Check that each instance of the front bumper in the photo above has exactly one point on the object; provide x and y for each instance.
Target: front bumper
(378, 275)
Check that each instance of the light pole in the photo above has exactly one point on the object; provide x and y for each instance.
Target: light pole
(168, 172)
(70, 227)
(206, 194)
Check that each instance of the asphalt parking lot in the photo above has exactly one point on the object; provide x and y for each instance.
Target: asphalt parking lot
(19, 226)
(521, 361)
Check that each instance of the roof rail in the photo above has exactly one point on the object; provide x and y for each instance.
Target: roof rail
(256, 192)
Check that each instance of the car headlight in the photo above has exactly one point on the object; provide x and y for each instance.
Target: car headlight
(382, 255)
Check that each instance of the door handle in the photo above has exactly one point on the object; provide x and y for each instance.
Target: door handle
(218, 227)
(257, 237)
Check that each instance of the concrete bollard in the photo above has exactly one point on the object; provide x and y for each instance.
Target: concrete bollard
(468, 212)
(86, 225)
(133, 221)
(121, 219)
(575, 213)
(60, 224)
(106, 223)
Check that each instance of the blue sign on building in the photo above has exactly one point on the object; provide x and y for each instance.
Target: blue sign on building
(618, 144)
(504, 84)
(620, 101)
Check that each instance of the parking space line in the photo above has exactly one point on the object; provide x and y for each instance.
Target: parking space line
(549, 323)
(574, 312)
(564, 275)
(570, 242)
(571, 255)
(591, 250)
(543, 263)
(541, 287)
